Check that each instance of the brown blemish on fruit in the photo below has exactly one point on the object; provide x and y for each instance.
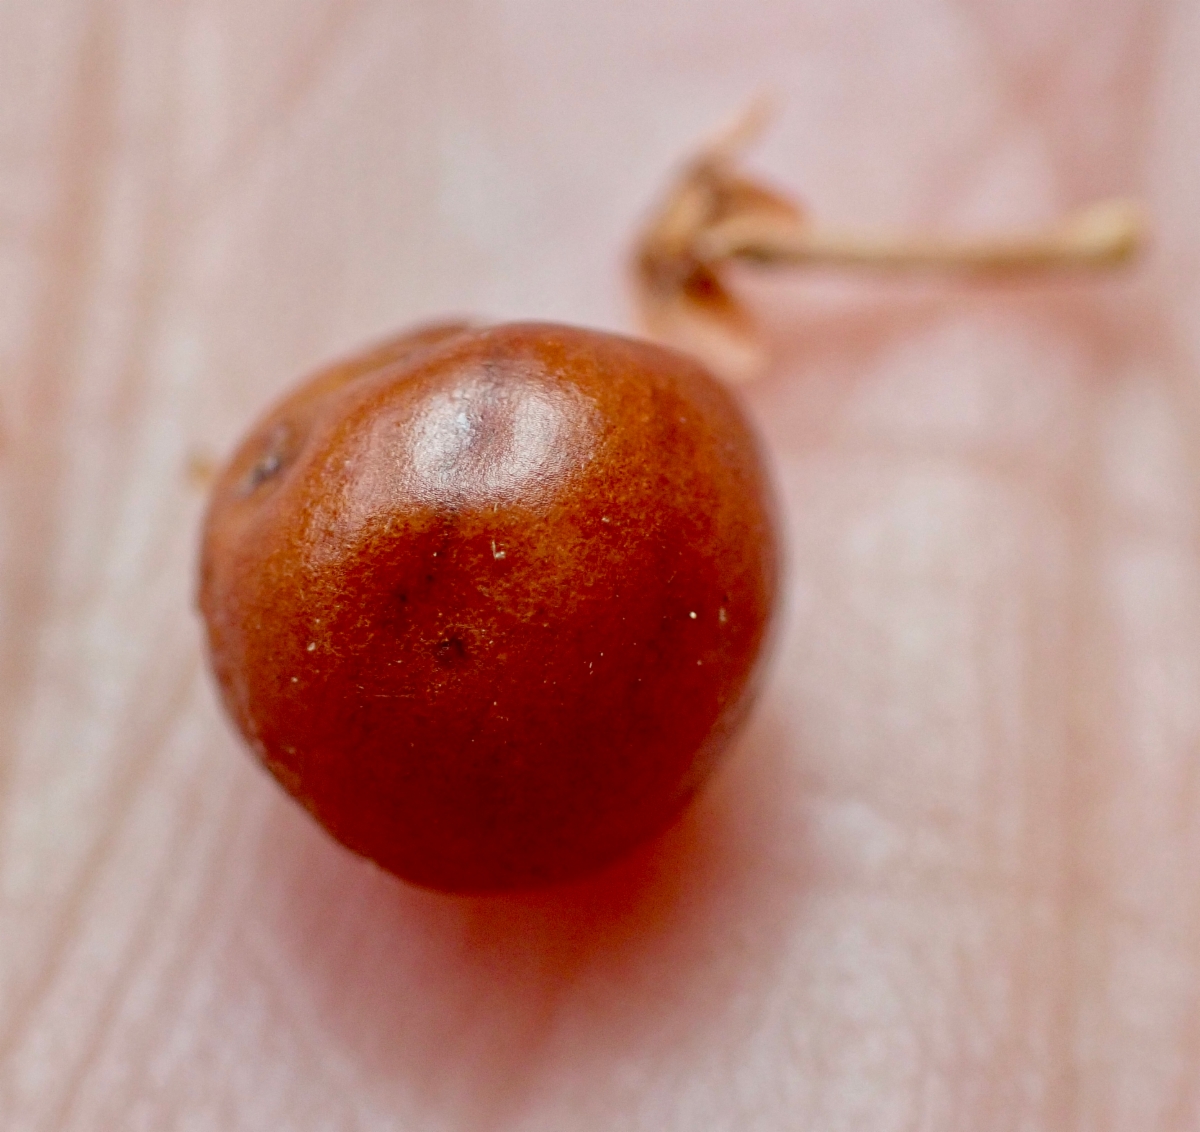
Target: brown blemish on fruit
(278, 449)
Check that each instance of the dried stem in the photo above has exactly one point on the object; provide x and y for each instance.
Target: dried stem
(1103, 235)
(714, 216)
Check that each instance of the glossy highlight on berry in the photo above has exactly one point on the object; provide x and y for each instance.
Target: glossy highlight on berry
(490, 603)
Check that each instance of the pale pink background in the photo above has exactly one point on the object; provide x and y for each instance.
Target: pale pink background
(950, 880)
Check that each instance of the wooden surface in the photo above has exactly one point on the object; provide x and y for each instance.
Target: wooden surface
(950, 881)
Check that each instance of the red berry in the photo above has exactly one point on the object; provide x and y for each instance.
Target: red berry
(489, 602)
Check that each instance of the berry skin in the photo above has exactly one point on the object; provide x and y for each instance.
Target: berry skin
(489, 602)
